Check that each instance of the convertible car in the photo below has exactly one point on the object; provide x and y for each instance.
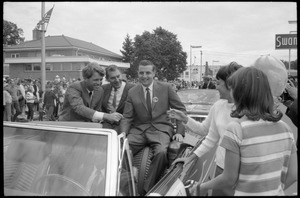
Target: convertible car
(198, 101)
(82, 159)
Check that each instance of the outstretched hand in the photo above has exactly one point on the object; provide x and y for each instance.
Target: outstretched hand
(113, 117)
(178, 115)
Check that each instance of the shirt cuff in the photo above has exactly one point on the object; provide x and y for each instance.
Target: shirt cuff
(98, 116)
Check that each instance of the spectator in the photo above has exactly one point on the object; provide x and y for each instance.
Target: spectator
(16, 95)
(49, 102)
(290, 100)
(213, 127)
(30, 98)
(22, 101)
(83, 99)
(7, 100)
(145, 120)
(115, 94)
(36, 94)
(261, 154)
(207, 84)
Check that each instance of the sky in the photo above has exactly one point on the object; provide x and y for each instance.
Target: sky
(226, 31)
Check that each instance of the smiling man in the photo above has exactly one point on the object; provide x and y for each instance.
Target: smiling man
(145, 120)
(83, 99)
(115, 94)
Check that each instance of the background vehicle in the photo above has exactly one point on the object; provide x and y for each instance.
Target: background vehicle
(198, 101)
(81, 159)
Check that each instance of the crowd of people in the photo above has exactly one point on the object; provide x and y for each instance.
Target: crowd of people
(32, 103)
(244, 123)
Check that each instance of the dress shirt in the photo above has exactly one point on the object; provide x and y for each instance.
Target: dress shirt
(98, 116)
(119, 93)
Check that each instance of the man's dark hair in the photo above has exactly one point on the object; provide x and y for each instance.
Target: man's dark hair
(90, 69)
(110, 68)
(146, 63)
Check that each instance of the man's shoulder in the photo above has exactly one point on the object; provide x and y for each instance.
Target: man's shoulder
(105, 86)
(135, 88)
(130, 85)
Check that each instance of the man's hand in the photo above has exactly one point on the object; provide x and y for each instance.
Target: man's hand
(178, 137)
(113, 117)
(292, 90)
(178, 115)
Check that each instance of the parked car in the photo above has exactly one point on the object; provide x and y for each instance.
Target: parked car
(198, 101)
(81, 159)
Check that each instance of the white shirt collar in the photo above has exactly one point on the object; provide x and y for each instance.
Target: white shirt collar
(150, 87)
(121, 87)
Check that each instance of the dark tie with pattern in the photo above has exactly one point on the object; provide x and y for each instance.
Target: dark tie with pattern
(114, 103)
(90, 97)
(148, 101)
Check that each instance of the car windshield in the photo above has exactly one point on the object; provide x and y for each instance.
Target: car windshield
(199, 96)
(44, 162)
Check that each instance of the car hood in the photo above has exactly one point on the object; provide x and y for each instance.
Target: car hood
(201, 109)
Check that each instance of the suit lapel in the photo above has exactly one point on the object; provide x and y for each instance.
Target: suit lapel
(85, 94)
(107, 92)
(155, 94)
(123, 97)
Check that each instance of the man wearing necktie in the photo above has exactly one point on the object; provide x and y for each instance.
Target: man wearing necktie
(83, 99)
(146, 122)
(115, 94)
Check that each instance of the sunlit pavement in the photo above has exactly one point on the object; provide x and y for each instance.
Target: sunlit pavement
(292, 190)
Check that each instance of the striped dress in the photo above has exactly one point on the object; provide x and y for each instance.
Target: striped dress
(265, 149)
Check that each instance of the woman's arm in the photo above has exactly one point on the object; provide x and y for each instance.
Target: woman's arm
(229, 176)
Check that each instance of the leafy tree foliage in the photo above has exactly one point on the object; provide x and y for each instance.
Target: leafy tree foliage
(127, 52)
(162, 48)
(12, 34)
(293, 64)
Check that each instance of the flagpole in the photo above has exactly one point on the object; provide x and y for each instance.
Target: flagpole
(43, 67)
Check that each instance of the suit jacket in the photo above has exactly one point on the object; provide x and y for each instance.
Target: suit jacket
(107, 90)
(76, 103)
(136, 118)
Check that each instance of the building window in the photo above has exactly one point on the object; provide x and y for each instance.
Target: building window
(76, 66)
(67, 67)
(36, 67)
(187, 73)
(28, 67)
(15, 55)
(56, 67)
(48, 67)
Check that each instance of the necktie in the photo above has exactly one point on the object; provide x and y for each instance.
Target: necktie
(90, 97)
(148, 101)
(114, 103)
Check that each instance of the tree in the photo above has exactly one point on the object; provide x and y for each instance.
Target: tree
(293, 64)
(127, 52)
(12, 34)
(162, 48)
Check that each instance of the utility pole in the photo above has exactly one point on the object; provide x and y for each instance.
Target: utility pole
(200, 66)
(43, 67)
(192, 46)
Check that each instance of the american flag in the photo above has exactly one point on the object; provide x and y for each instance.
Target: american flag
(45, 19)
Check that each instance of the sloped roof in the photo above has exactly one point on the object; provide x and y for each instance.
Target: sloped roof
(62, 41)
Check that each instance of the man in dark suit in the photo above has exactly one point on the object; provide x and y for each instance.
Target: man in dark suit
(146, 122)
(83, 99)
(208, 83)
(115, 94)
